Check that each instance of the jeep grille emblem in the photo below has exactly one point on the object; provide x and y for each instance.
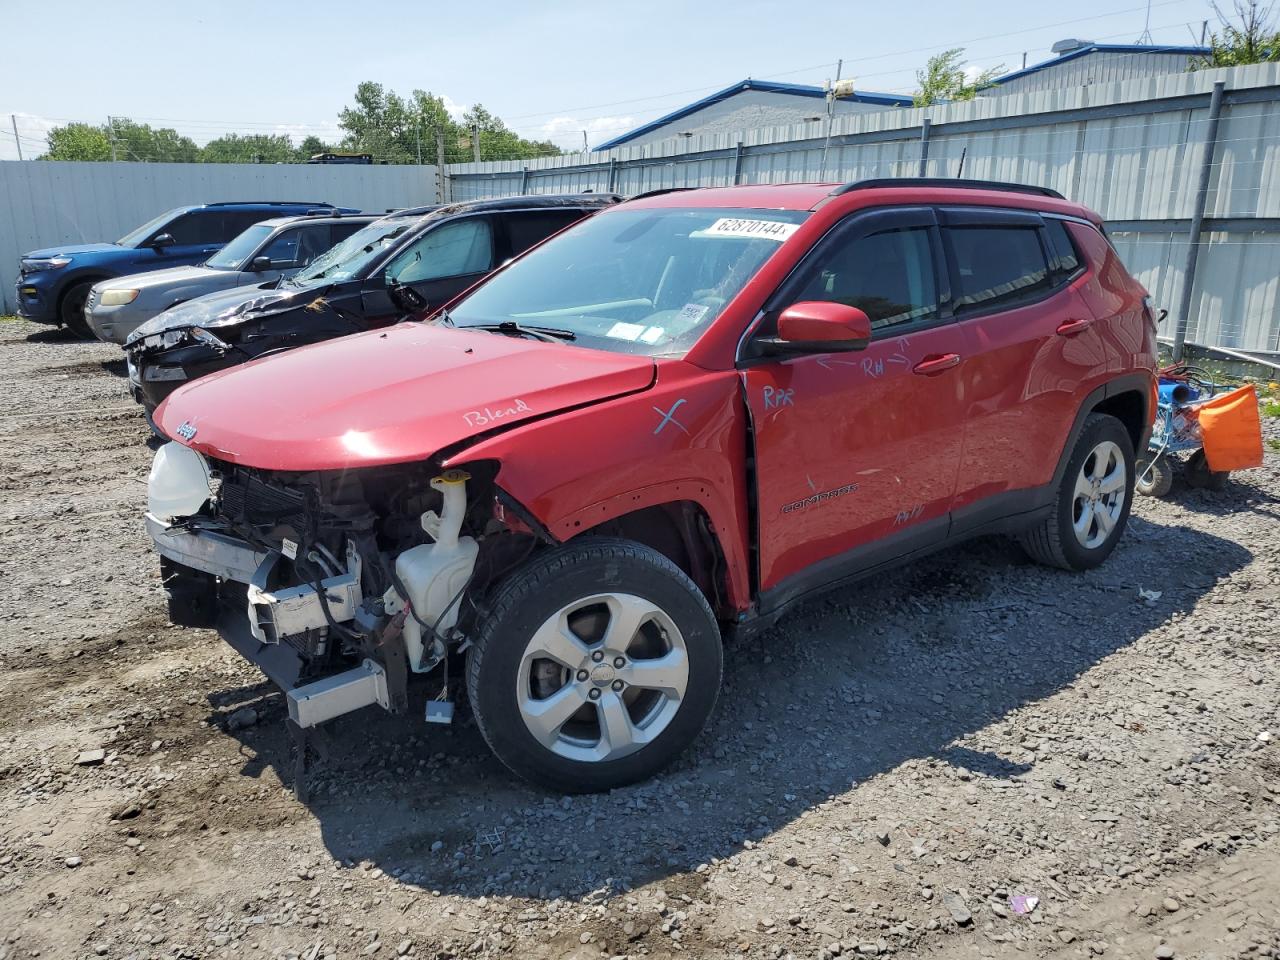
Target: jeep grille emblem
(187, 430)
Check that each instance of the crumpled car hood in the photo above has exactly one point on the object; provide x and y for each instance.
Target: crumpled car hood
(226, 308)
(392, 396)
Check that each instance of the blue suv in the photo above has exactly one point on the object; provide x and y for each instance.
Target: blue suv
(54, 283)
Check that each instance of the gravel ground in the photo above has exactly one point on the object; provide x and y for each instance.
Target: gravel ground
(969, 757)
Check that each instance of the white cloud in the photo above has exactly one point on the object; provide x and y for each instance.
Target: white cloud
(329, 132)
(454, 108)
(32, 131)
(566, 132)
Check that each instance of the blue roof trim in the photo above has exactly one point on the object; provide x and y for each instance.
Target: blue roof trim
(1099, 48)
(767, 86)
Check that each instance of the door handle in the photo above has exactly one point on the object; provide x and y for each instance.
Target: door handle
(935, 365)
(1069, 328)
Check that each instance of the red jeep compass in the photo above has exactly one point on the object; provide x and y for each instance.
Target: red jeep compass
(663, 426)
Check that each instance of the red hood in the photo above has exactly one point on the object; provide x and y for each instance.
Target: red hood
(389, 396)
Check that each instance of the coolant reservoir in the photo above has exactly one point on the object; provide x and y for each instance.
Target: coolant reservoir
(434, 573)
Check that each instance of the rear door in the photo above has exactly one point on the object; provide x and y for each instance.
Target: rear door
(1031, 344)
(438, 264)
(197, 235)
(856, 453)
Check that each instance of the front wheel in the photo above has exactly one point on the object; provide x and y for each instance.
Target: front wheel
(1093, 500)
(595, 666)
(71, 309)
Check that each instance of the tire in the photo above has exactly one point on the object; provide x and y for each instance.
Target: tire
(1200, 476)
(595, 581)
(1055, 542)
(71, 309)
(1154, 478)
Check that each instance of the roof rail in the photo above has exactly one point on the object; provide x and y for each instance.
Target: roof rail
(269, 203)
(949, 183)
(660, 192)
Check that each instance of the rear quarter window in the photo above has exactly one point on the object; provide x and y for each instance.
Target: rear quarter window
(996, 266)
(1063, 258)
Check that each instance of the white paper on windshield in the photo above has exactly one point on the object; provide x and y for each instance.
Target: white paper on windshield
(693, 312)
(652, 335)
(753, 229)
(625, 331)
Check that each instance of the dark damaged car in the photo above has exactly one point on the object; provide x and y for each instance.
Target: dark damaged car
(412, 260)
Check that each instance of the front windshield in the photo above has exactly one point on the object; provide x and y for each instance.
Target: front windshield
(234, 253)
(135, 237)
(634, 281)
(349, 258)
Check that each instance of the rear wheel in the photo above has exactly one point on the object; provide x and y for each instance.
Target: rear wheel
(1199, 475)
(71, 308)
(1093, 501)
(596, 665)
(1155, 477)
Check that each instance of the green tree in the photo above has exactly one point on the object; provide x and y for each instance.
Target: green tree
(310, 146)
(942, 79)
(255, 148)
(138, 141)
(499, 143)
(122, 139)
(1251, 36)
(397, 130)
(78, 141)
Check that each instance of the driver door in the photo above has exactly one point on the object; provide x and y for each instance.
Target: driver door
(438, 265)
(857, 453)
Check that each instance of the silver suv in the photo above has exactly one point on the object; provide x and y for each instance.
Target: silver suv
(262, 254)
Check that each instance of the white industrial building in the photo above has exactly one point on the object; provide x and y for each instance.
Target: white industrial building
(758, 104)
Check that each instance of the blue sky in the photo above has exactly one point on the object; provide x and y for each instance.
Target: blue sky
(550, 70)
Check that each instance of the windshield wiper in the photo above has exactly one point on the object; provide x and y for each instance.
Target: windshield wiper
(513, 329)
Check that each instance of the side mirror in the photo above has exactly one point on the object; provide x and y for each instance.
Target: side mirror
(820, 326)
(259, 264)
(160, 241)
(407, 299)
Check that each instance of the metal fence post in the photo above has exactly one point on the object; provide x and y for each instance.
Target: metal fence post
(737, 164)
(613, 175)
(924, 145)
(1197, 221)
(524, 180)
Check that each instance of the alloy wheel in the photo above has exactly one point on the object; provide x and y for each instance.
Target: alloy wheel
(602, 677)
(1099, 496)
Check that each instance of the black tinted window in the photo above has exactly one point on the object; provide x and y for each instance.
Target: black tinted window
(199, 226)
(526, 229)
(237, 221)
(888, 275)
(997, 265)
(1063, 256)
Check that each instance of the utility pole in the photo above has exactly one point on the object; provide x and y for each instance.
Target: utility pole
(417, 136)
(831, 112)
(16, 139)
(475, 140)
(585, 148)
(1204, 29)
(1183, 318)
(442, 177)
(111, 126)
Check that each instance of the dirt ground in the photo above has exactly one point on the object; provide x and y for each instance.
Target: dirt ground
(971, 757)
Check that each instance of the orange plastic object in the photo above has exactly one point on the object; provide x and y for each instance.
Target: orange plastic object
(1232, 430)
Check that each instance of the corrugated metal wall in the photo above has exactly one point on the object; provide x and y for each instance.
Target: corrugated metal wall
(1130, 150)
(1101, 67)
(45, 203)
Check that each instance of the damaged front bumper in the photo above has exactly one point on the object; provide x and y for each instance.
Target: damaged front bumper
(269, 616)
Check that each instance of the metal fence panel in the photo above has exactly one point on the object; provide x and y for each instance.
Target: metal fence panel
(46, 203)
(1132, 150)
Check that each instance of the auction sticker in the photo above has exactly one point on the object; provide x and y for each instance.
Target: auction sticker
(736, 227)
(625, 331)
